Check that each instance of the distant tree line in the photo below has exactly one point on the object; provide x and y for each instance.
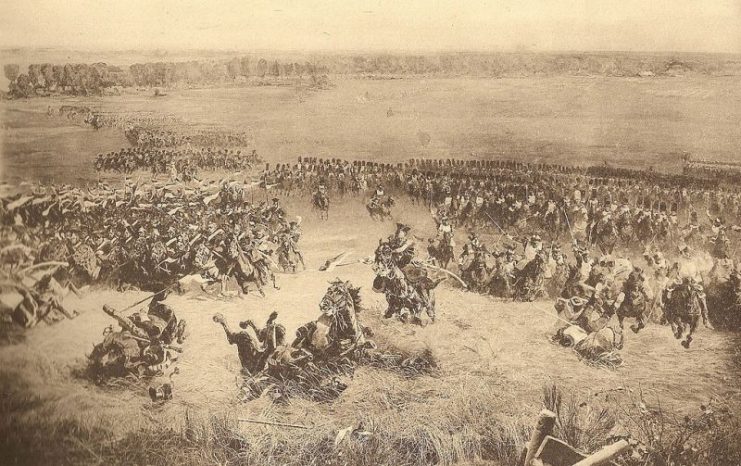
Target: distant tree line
(82, 79)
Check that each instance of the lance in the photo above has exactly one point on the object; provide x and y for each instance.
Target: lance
(278, 424)
(150, 296)
(495, 224)
(460, 280)
(569, 225)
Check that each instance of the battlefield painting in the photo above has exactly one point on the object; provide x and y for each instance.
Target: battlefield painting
(370, 233)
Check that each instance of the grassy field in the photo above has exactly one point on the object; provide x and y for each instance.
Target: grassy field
(624, 121)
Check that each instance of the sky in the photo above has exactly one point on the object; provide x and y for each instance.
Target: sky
(374, 25)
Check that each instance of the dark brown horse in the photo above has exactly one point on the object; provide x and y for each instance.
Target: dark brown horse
(683, 308)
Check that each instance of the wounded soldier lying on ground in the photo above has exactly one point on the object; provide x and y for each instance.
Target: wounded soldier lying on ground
(588, 332)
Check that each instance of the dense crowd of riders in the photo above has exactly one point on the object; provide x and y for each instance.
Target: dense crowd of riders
(586, 235)
(150, 236)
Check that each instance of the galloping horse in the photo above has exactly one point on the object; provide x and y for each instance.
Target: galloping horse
(381, 210)
(320, 201)
(442, 252)
(635, 303)
(682, 307)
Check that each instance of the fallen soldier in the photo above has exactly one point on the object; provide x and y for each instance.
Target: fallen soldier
(588, 333)
(27, 306)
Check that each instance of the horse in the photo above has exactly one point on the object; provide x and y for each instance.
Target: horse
(635, 304)
(531, 279)
(476, 273)
(442, 252)
(380, 210)
(337, 331)
(606, 237)
(320, 202)
(254, 350)
(407, 293)
(682, 307)
(288, 254)
(502, 278)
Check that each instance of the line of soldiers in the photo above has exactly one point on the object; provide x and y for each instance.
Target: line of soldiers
(153, 136)
(98, 119)
(181, 164)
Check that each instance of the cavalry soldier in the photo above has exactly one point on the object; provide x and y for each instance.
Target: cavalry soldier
(445, 230)
(379, 192)
(402, 246)
(293, 235)
(470, 250)
(697, 289)
(721, 245)
(375, 200)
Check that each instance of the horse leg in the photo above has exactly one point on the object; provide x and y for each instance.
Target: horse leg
(680, 328)
(639, 323)
(692, 327)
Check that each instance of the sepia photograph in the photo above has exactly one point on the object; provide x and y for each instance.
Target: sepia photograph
(370, 232)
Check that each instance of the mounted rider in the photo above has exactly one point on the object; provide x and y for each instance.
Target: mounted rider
(402, 246)
(445, 232)
(695, 288)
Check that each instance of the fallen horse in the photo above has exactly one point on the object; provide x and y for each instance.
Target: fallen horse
(146, 347)
(322, 353)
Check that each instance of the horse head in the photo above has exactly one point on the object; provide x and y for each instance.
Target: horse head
(341, 297)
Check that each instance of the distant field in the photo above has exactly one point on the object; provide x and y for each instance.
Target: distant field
(625, 121)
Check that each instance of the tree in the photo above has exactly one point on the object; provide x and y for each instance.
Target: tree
(11, 71)
(21, 87)
(234, 68)
(262, 67)
(275, 69)
(244, 66)
(47, 71)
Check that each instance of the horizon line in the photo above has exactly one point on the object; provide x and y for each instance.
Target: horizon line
(355, 50)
